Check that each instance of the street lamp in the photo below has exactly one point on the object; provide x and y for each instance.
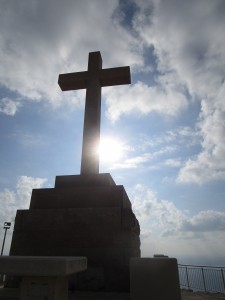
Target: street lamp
(6, 227)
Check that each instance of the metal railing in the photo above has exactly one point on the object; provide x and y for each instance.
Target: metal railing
(202, 278)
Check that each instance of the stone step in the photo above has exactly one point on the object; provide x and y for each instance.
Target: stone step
(80, 197)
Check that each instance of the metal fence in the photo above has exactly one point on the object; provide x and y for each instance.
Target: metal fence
(202, 278)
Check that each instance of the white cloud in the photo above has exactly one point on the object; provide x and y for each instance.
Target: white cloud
(184, 136)
(28, 139)
(173, 162)
(9, 106)
(41, 39)
(143, 159)
(160, 151)
(133, 162)
(205, 221)
(11, 200)
(165, 218)
(162, 214)
(167, 229)
(209, 164)
(142, 99)
(155, 152)
(201, 170)
(190, 52)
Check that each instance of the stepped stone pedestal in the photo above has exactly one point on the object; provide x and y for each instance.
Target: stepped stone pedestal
(84, 215)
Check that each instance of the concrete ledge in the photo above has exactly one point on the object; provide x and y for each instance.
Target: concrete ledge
(42, 265)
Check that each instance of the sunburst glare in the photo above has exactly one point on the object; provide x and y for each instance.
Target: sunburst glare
(110, 150)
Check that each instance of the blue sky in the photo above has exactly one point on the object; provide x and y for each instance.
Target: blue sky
(169, 122)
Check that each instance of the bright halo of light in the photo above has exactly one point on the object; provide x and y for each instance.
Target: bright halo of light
(110, 150)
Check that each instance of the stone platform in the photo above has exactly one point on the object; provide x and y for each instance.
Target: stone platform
(84, 215)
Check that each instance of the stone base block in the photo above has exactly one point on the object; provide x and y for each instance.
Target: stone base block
(154, 278)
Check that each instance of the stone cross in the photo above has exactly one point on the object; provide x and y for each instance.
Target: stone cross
(92, 80)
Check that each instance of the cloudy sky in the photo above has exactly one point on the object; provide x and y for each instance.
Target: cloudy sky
(168, 125)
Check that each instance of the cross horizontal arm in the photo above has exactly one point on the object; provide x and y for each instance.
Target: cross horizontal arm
(107, 77)
(115, 76)
(73, 81)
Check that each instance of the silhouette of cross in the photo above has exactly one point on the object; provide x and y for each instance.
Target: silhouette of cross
(92, 80)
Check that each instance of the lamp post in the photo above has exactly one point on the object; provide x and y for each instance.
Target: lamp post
(6, 227)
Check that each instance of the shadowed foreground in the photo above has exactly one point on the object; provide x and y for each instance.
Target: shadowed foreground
(189, 295)
(13, 294)
(186, 295)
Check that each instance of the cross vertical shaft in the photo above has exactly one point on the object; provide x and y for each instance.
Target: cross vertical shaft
(92, 117)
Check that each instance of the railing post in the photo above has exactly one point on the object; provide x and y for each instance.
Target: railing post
(203, 279)
(187, 278)
(223, 279)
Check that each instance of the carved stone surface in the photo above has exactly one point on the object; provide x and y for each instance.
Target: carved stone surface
(92, 221)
